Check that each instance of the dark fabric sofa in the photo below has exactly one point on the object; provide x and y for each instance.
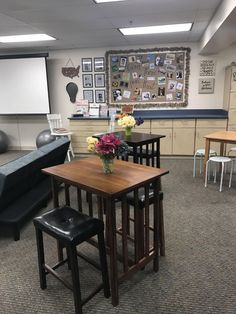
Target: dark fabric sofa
(24, 188)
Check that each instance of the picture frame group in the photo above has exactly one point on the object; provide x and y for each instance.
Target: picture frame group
(94, 79)
(97, 64)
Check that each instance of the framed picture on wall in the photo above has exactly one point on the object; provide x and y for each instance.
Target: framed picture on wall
(206, 86)
(86, 64)
(99, 80)
(88, 94)
(99, 65)
(100, 96)
(87, 80)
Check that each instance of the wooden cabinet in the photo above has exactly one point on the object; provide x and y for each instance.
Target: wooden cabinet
(163, 127)
(230, 98)
(183, 137)
(143, 128)
(230, 95)
(81, 129)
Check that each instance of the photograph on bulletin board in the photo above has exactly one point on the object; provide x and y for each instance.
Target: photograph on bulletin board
(148, 77)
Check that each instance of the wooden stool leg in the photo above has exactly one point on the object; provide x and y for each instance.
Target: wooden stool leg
(68, 258)
(41, 258)
(103, 262)
(75, 279)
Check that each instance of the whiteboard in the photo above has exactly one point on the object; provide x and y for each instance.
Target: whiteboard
(24, 86)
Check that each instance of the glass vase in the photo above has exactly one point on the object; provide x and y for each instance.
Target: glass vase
(107, 165)
(128, 131)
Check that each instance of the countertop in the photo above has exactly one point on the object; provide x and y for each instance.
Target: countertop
(169, 114)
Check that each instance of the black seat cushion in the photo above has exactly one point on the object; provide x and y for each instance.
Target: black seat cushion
(68, 225)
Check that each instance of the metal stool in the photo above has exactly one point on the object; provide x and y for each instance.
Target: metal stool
(201, 153)
(70, 228)
(222, 160)
(232, 150)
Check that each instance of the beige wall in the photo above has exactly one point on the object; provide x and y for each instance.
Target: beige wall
(22, 130)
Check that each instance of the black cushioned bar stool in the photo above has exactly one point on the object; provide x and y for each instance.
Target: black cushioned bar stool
(141, 206)
(70, 228)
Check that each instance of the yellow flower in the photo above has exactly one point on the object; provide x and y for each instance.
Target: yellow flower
(127, 121)
(92, 141)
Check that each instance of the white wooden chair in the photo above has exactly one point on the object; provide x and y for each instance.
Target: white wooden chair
(56, 128)
(222, 160)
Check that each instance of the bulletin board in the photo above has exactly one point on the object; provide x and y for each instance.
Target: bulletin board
(148, 77)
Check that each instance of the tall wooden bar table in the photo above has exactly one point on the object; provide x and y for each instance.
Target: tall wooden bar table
(86, 174)
(144, 146)
(222, 137)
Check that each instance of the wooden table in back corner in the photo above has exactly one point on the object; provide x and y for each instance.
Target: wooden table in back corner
(223, 137)
(87, 175)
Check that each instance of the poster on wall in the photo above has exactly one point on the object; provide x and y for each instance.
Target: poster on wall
(207, 68)
(206, 85)
(148, 77)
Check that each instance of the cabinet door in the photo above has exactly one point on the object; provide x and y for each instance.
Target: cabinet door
(82, 129)
(183, 137)
(165, 142)
(183, 141)
(232, 100)
(228, 146)
(200, 140)
(233, 79)
(163, 127)
(143, 128)
(204, 127)
(232, 117)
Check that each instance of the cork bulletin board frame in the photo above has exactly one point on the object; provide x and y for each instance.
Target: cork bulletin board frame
(148, 77)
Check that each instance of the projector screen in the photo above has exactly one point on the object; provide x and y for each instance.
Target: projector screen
(23, 85)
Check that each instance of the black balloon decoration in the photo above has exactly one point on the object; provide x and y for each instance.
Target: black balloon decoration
(72, 90)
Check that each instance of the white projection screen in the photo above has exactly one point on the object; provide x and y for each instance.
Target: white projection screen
(23, 85)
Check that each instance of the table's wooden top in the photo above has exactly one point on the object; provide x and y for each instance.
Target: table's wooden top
(87, 174)
(137, 138)
(227, 136)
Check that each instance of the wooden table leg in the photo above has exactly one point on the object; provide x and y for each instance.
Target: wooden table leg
(111, 214)
(135, 155)
(156, 219)
(158, 153)
(207, 150)
(54, 192)
(222, 146)
(125, 209)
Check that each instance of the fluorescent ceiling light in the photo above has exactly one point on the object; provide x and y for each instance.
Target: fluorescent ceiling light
(25, 38)
(103, 1)
(156, 29)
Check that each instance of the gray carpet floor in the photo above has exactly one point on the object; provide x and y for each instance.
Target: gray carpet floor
(197, 275)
